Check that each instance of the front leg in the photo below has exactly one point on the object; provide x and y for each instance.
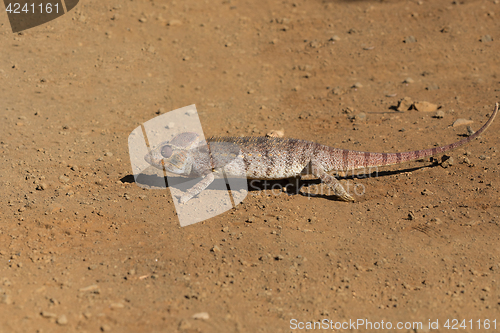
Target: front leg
(197, 188)
(329, 180)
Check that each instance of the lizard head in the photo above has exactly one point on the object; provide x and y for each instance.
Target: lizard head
(174, 155)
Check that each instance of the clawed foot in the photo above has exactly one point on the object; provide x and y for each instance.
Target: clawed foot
(342, 194)
(346, 197)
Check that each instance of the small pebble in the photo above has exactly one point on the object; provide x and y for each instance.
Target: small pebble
(173, 23)
(439, 115)
(46, 314)
(361, 116)
(426, 192)
(486, 38)
(92, 287)
(63, 179)
(201, 315)
(62, 320)
(334, 38)
(404, 104)
(116, 306)
(461, 122)
(143, 20)
(445, 29)
(337, 91)
(425, 106)
(276, 133)
(6, 299)
(436, 221)
(315, 44)
(41, 186)
(432, 87)
(447, 161)
(357, 85)
(410, 39)
(184, 325)
(105, 328)
(465, 160)
(408, 80)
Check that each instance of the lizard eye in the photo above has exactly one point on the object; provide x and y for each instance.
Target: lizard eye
(166, 151)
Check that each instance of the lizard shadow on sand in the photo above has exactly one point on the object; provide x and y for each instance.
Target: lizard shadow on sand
(298, 184)
(289, 186)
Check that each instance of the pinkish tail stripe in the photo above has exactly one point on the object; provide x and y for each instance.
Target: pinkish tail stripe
(355, 159)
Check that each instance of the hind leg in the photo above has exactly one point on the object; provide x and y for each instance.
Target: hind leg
(331, 181)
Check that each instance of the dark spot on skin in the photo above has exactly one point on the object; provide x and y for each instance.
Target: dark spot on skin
(246, 162)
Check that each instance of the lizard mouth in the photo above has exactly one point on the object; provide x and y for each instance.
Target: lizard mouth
(149, 159)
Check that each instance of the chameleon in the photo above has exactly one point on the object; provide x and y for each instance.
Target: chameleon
(270, 158)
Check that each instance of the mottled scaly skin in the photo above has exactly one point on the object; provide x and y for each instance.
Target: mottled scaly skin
(268, 158)
(274, 158)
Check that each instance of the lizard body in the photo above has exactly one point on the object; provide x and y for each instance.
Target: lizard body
(274, 158)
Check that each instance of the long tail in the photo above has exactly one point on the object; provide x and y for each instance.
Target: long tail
(356, 159)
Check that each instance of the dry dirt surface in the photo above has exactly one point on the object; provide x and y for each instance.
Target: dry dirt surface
(84, 249)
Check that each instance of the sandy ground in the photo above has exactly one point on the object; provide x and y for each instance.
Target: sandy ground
(84, 249)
